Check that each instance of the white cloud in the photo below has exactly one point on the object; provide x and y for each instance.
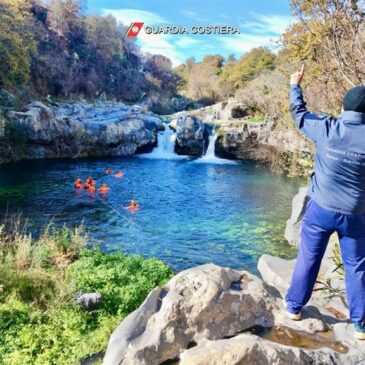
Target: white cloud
(242, 43)
(264, 24)
(160, 44)
(276, 23)
(193, 15)
(186, 42)
(261, 30)
(127, 16)
(208, 46)
(151, 43)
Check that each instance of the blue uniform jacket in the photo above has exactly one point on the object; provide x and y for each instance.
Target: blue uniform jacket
(338, 182)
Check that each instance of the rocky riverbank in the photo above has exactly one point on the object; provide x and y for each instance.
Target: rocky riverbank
(78, 130)
(53, 130)
(243, 136)
(210, 315)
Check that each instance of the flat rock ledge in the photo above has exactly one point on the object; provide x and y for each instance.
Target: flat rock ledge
(207, 316)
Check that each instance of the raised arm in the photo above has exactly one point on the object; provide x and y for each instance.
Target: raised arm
(311, 125)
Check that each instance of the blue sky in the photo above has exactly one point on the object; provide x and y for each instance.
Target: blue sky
(260, 22)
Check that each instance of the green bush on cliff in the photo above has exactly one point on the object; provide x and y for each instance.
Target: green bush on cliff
(40, 324)
(124, 281)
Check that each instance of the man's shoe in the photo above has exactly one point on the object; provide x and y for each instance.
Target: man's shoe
(293, 316)
(360, 330)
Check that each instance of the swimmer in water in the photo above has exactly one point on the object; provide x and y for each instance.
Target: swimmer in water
(104, 188)
(78, 183)
(133, 206)
(89, 182)
(91, 188)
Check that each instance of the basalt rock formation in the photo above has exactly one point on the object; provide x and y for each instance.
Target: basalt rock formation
(191, 135)
(242, 136)
(79, 130)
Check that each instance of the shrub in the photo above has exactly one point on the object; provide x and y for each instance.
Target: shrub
(40, 324)
(327, 283)
(123, 280)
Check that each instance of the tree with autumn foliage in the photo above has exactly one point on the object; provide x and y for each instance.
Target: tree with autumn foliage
(330, 37)
(54, 48)
(214, 78)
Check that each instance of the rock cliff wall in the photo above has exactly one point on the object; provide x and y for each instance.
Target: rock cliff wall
(79, 130)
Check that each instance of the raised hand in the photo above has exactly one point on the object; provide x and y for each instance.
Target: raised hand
(296, 78)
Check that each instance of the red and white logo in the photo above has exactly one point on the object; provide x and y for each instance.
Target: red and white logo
(134, 29)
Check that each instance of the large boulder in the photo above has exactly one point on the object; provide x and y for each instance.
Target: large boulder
(299, 203)
(191, 136)
(82, 129)
(183, 103)
(276, 271)
(229, 110)
(212, 315)
(153, 123)
(246, 139)
(37, 123)
(204, 303)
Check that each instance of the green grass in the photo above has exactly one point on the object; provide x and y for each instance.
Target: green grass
(257, 118)
(40, 324)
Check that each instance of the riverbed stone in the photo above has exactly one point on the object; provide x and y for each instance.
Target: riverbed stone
(89, 301)
(228, 110)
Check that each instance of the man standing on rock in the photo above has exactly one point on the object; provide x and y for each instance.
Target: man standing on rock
(337, 200)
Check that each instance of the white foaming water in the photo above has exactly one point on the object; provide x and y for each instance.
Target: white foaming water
(165, 146)
(210, 157)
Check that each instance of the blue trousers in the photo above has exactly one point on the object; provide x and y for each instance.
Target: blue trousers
(318, 225)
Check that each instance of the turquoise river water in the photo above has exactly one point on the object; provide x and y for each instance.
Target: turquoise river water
(190, 213)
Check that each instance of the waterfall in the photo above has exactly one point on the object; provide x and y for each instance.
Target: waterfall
(210, 153)
(165, 146)
(209, 156)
